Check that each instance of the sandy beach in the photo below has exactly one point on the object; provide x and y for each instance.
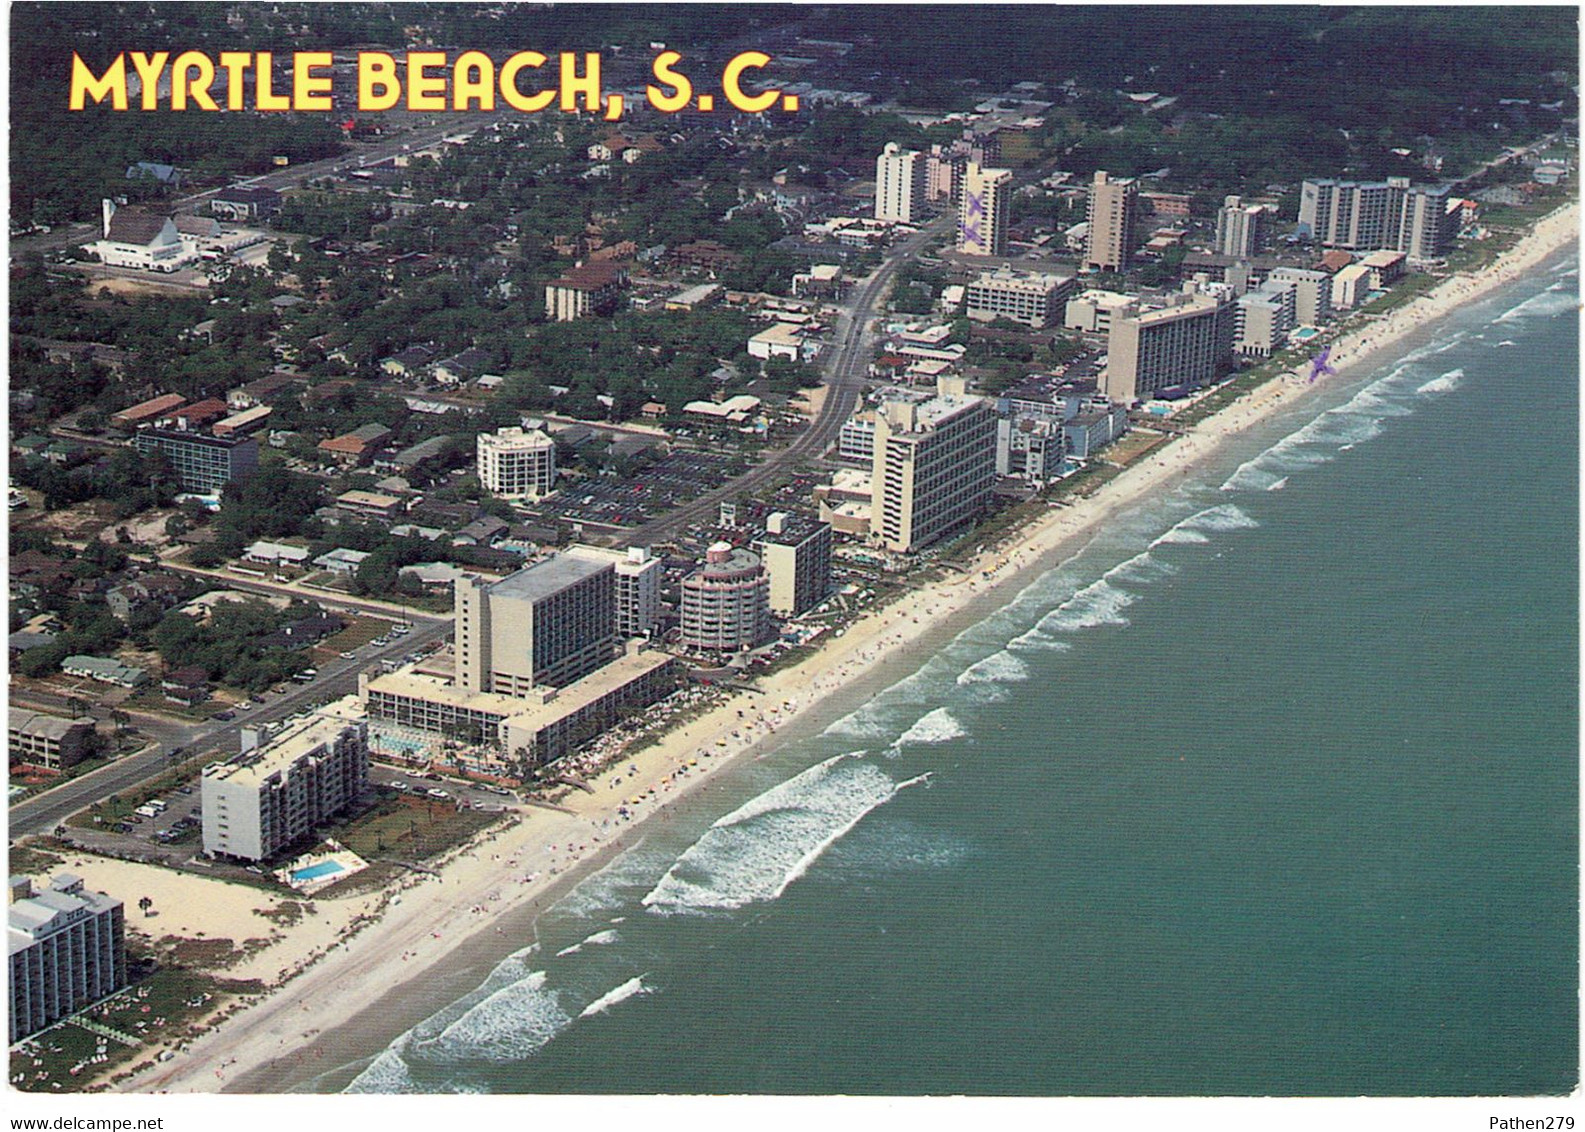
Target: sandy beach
(432, 936)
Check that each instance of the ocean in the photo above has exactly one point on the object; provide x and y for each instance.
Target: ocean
(1271, 789)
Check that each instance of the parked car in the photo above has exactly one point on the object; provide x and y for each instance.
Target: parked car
(434, 793)
(224, 715)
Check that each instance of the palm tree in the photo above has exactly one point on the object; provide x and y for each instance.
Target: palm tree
(144, 905)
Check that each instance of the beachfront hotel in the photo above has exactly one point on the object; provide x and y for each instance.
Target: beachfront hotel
(1178, 346)
(413, 715)
(934, 466)
(275, 792)
(726, 603)
(68, 950)
(515, 463)
(547, 624)
(639, 575)
(796, 551)
(1419, 221)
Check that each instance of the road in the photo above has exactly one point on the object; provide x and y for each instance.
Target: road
(846, 367)
(45, 811)
(327, 598)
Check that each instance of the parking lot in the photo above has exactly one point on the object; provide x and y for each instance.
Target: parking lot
(669, 482)
(473, 795)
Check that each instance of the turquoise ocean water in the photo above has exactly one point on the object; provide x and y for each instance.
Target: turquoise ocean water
(1271, 790)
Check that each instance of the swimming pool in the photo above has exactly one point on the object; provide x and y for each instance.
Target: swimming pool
(314, 872)
(1305, 333)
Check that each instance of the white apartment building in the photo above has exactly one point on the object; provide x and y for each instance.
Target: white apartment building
(1032, 299)
(796, 551)
(1312, 294)
(1392, 214)
(1240, 228)
(68, 951)
(1179, 345)
(517, 463)
(1263, 318)
(638, 581)
(269, 796)
(547, 624)
(900, 185)
(982, 211)
(934, 466)
(1093, 311)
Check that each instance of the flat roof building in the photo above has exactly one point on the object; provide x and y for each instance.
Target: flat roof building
(548, 624)
(531, 730)
(517, 463)
(934, 466)
(1184, 344)
(639, 575)
(68, 950)
(271, 796)
(796, 551)
(982, 210)
(1036, 300)
(204, 464)
(900, 184)
(1113, 221)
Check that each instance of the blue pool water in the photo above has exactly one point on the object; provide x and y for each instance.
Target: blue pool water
(314, 872)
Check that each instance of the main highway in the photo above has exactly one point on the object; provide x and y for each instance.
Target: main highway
(846, 366)
(43, 812)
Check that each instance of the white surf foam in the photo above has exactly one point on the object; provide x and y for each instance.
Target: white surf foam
(1220, 519)
(1279, 485)
(998, 668)
(1445, 383)
(1097, 604)
(1545, 305)
(1181, 535)
(755, 852)
(1142, 569)
(387, 1073)
(938, 726)
(607, 936)
(611, 997)
(513, 1023)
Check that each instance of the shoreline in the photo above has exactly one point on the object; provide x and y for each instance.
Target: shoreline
(433, 932)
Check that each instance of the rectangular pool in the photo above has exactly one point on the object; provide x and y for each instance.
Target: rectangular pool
(314, 872)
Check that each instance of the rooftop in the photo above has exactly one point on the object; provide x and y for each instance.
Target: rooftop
(279, 752)
(541, 580)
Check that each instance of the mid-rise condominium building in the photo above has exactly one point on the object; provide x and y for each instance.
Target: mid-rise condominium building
(1113, 222)
(982, 211)
(204, 464)
(639, 575)
(1391, 214)
(796, 551)
(1312, 294)
(1036, 300)
(1178, 346)
(726, 603)
(547, 624)
(272, 795)
(588, 289)
(1240, 228)
(934, 467)
(68, 950)
(1263, 317)
(517, 463)
(900, 184)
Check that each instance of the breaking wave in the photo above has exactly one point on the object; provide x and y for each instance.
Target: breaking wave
(755, 852)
